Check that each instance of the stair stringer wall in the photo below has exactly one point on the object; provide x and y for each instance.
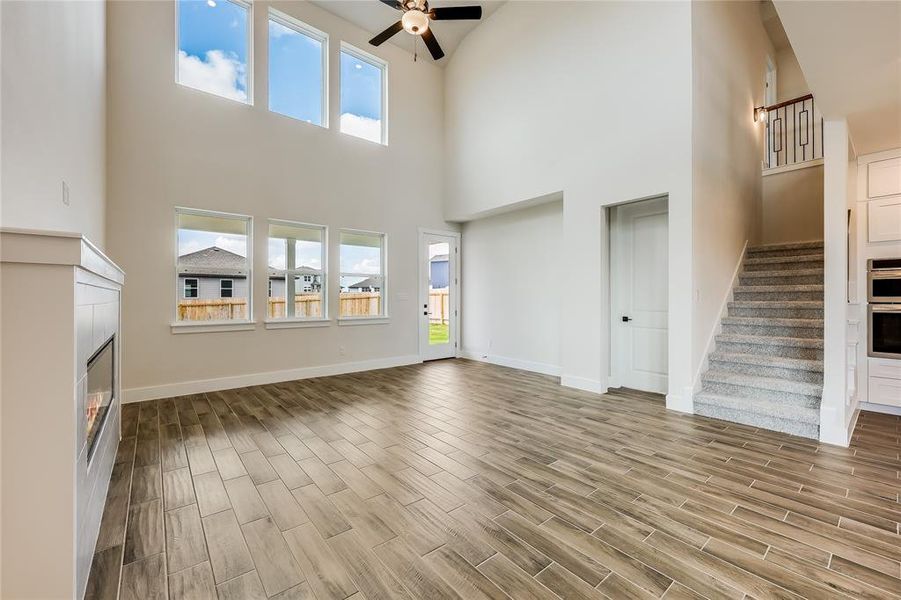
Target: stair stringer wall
(718, 325)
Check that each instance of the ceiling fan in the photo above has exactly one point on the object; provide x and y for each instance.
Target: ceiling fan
(416, 18)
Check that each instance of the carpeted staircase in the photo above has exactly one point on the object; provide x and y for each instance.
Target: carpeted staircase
(767, 367)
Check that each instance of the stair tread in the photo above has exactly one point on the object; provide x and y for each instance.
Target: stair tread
(811, 304)
(766, 360)
(801, 287)
(736, 338)
(748, 382)
(787, 246)
(764, 383)
(782, 273)
(757, 406)
(774, 260)
(774, 322)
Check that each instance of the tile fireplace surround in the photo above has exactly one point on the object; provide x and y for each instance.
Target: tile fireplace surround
(61, 304)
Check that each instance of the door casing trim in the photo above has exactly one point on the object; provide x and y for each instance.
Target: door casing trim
(423, 279)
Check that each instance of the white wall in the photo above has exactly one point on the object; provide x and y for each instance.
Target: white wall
(171, 146)
(729, 50)
(790, 82)
(512, 288)
(53, 116)
(792, 206)
(838, 188)
(591, 100)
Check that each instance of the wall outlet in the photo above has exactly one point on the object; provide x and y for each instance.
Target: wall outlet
(65, 193)
(342, 350)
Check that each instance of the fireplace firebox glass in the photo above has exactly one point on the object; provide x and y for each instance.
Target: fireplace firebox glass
(100, 391)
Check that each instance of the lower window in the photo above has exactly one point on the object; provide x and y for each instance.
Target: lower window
(362, 274)
(297, 259)
(213, 268)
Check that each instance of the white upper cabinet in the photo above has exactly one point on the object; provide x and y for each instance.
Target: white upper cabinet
(884, 178)
(884, 219)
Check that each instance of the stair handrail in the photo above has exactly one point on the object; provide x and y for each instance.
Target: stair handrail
(794, 132)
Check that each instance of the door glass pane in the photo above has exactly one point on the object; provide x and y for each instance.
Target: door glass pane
(439, 297)
(887, 332)
(887, 288)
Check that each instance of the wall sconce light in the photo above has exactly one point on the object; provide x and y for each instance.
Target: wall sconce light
(760, 114)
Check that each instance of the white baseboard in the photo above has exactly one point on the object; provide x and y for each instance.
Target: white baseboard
(583, 383)
(879, 408)
(514, 363)
(237, 381)
(852, 423)
(718, 326)
(833, 429)
(683, 402)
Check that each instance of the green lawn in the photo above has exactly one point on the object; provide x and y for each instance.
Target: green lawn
(438, 333)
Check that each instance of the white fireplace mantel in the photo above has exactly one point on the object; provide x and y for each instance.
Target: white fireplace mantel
(60, 298)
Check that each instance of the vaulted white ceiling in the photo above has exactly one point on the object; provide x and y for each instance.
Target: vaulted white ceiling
(375, 16)
(850, 53)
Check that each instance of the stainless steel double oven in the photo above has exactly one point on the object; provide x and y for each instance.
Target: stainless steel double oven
(884, 307)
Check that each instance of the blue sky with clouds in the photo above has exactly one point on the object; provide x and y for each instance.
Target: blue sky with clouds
(361, 87)
(213, 57)
(295, 74)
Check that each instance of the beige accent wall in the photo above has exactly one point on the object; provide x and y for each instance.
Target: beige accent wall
(729, 48)
(512, 287)
(174, 146)
(790, 82)
(792, 206)
(53, 116)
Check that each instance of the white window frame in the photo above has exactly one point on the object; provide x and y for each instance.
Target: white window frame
(383, 317)
(245, 4)
(231, 289)
(286, 20)
(379, 63)
(184, 288)
(287, 322)
(213, 326)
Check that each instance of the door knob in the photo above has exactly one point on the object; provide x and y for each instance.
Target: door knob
(626, 319)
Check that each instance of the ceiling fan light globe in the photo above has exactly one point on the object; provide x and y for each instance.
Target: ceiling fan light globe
(415, 22)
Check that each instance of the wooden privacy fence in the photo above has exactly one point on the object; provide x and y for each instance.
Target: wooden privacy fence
(212, 309)
(359, 304)
(305, 305)
(439, 306)
(351, 304)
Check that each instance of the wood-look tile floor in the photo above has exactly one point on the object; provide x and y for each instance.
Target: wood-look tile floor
(460, 479)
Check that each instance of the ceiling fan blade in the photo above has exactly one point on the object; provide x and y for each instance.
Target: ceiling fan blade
(392, 4)
(432, 44)
(385, 35)
(456, 13)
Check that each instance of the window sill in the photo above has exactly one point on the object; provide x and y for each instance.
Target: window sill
(212, 326)
(364, 321)
(297, 323)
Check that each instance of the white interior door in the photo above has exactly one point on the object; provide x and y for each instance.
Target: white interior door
(639, 274)
(439, 255)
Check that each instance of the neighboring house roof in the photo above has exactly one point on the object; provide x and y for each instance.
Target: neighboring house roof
(278, 274)
(212, 261)
(369, 282)
(439, 258)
